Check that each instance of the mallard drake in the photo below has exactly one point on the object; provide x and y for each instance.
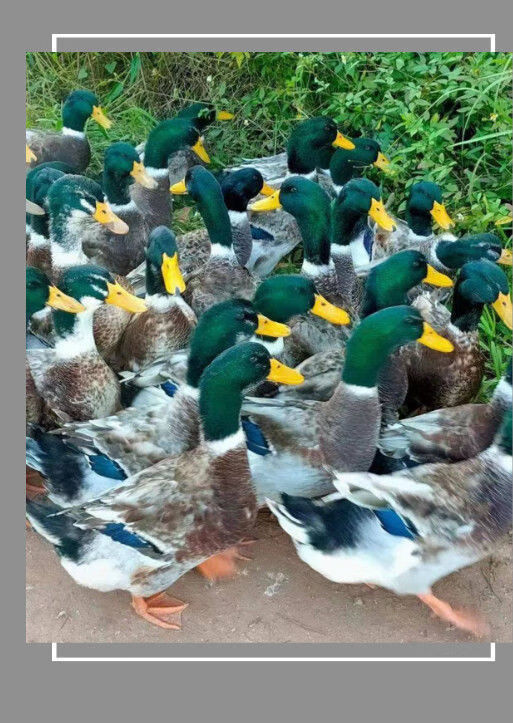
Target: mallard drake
(222, 277)
(71, 144)
(121, 253)
(388, 284)
(30, 192)
(200, 115)
(424, 205)
(405, 531)
(346, 427)
(40, 294)
(164, 141)
(455, 379)
(238, 188)
(169, 518)
(451, 434)
(169, 321)
(71, 381)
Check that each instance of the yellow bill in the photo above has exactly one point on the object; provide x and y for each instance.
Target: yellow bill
(435, 278)
(29, 155)
(142, 177)
(282, 374)
(342, 142)
(173, 279)
(34, 208)
(224, 115)
(433, 340)
(271, 203)
(441, 216)
(106, 216)
(504, 309)
(382, 163)
(505, 258)
(179, 188)
(267, 190)
(330, 312)
(99, 116)
(199, 150)
(267, 327)
(124, 299)
(58, 300)
(380, 216)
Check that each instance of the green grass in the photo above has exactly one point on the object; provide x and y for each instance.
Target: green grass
(442, 116)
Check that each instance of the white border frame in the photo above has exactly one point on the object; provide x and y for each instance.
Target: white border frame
(490, 36)
(55, 38)
(57, 659)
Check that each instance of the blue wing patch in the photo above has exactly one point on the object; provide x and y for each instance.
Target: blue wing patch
(255, 440)
(106, 467)
(170, 388)
(260, 234)
(118, 532)
(368, 240)
(392, 523)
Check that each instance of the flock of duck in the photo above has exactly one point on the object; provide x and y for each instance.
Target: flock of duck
(174, 386)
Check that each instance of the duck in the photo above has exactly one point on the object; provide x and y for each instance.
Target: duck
(200, 115)
(123, 444)
(144, 535)
(222, 277)
(388, 284)
(168, 323)
(407, 530)
(433, 383)
(121, 253)
(70, 145)
(451, 434)
(238, 188)
(41, 294)
(423, 207)
(30, 181)
(343, 430)
(71, 381)
(164, 141)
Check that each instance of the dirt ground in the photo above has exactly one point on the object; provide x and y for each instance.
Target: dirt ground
(274, 598)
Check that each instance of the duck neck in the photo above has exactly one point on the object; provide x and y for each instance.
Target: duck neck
(66, 233)
(365, 356)
(419, 222)
(116, 188)
(217, 222)
(220, 406)
(465, 314)
(380, 295)
(74, 334)
(73, 121)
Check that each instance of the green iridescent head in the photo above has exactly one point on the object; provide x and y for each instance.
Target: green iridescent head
(312, 143)
(425, 205)
(78, 107)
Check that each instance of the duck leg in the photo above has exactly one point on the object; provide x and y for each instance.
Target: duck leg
(160, 609)
(224, 564)
(462, 619)
(33, 483)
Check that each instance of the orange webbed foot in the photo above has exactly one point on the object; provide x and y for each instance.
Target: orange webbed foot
(224, 564)
(160, 609)
(462, 619)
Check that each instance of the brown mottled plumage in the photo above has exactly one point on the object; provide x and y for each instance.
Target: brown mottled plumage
(220, 279)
